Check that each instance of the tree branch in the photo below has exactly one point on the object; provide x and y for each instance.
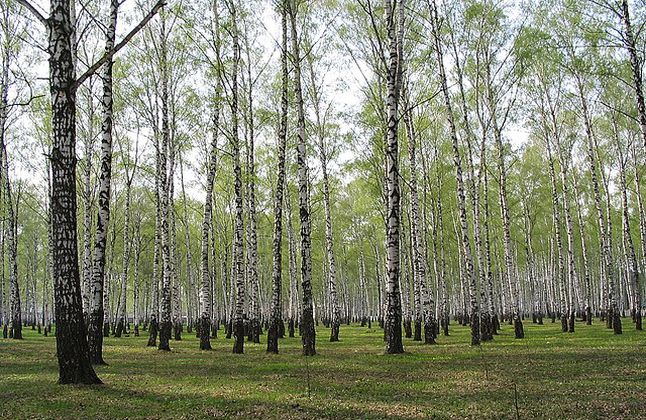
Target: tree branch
(108, 55)
(34, 11)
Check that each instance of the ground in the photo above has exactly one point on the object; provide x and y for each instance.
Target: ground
(589, 374)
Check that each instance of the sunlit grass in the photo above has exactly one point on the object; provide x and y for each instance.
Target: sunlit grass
(588, 374)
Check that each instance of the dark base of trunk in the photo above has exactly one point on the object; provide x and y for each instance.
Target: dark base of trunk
(120, 328)
(638, 320)
(408, 330)
(309, 334)
(5, 331)
(571, 320)
(106, 329)
(16, 329)
(272, 336)
(486, 327)
(152, 333)
(417, 330)
(203, 328)
(238, 333)
(429, 332)
(615, 321)
(519, 331)
(563, 323)
(475, 329)
(495, 322)
(95, 338)
(164, 335)
(290, 328)
(445, 325)
(334, 332)
(136, 330)
(82, 374)
(177, 331)
(257, 331)
(229, 329)
(393, 336)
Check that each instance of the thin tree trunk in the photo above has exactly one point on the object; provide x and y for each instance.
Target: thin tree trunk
(307, 318)
(165, 181)
(276, 277)
(97, 315)
(457, 161)
(238, 257)
(605, 249)
(631, 257)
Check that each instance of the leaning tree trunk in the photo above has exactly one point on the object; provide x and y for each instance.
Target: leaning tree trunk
(605, 248)
(506, 222)
(97, 315)
(307, 319)
(635, 67)
(631, 257)
(462, 205)
(276, 274)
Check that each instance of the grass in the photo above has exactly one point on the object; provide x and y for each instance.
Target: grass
(589, 374)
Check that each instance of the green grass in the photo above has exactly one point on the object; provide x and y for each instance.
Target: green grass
(588, 374)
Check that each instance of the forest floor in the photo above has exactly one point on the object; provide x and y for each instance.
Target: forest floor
(589, 374)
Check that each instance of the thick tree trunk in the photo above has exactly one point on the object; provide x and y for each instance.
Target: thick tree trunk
(395, 30)
(71, 340)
